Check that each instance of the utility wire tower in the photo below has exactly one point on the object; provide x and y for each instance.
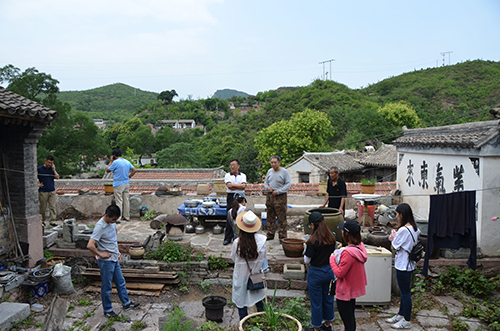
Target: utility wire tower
(444, 54)
(323, 63)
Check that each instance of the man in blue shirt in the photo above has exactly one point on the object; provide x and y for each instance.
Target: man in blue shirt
(46, 188)
(122, 170)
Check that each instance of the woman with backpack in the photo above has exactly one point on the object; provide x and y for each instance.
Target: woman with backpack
(403, 242)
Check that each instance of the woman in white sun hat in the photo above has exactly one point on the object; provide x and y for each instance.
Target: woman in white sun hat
(248, 253)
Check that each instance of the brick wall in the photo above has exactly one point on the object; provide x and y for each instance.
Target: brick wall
(18, 147)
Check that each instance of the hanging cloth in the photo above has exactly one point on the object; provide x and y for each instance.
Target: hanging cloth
(452, 224)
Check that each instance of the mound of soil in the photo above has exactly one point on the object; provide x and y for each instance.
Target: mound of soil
(71, 212)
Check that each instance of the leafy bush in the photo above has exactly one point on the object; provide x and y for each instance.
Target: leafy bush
(176, 321)
(170, 252)
(469, 281)
(217, 263)
(296, 307)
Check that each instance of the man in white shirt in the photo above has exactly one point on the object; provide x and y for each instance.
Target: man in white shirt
(236, 182)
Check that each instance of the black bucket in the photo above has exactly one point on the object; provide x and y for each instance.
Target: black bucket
(214, 308)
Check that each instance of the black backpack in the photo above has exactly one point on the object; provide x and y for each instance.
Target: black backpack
(417, 251)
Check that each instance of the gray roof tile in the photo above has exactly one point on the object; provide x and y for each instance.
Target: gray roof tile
(16, 106)
(468, 135)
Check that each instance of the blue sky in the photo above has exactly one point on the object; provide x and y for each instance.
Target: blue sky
(199, 46)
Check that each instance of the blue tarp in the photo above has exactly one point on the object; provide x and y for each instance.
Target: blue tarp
(216, 210)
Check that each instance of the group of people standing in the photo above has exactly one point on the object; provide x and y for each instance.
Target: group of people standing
(327, 260)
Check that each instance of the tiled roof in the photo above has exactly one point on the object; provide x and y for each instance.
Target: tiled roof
(385, 156)
(16, 106)
(468, 135)
(252, 189)
(345, 160)
(172, 175)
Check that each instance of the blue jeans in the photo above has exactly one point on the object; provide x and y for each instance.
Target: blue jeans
(112, 273)
(318, 281)
(243, 312)
(404, 280)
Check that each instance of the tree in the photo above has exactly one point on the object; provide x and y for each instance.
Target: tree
(401, 113)
(167, 96)
(179, 155)
(32, 83)
(74, 140)
(131, 134)
(305, 131)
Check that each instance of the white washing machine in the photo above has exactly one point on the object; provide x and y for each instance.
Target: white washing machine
(379, 277)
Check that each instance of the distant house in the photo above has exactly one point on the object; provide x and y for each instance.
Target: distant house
(178, 124)
(353, 165)
(314, 167)
(381, 164)
(100, 123)
(454, 158)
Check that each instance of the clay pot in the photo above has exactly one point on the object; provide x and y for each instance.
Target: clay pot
(293, 247)
(379, 238)
(136, 251)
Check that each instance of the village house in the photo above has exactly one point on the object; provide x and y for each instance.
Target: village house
(22, 123)
(462, 157)
(353, 165)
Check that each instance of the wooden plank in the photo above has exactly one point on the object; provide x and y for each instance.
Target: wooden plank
(139, 286)
(57, 313)
(137, 279)
(138, 271)
(132, 275)
(95, 289)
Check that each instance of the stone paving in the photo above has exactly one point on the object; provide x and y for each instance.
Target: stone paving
(153, 313)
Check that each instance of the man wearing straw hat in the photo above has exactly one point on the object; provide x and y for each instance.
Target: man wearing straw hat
(248, 253)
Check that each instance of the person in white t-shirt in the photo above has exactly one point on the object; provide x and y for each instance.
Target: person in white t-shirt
(402, 242)
(236, 182)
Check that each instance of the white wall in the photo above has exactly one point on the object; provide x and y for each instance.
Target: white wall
(485, 183)
(303, 166)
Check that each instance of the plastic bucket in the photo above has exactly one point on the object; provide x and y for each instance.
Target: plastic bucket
(332, 218)
(40, 290)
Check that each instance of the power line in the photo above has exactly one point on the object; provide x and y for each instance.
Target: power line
(323, 63)
(444, 54)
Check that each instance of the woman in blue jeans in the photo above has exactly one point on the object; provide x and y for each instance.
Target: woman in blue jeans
(402, 242)
(319, 247)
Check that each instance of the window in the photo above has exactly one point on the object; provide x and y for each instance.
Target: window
(303, 177)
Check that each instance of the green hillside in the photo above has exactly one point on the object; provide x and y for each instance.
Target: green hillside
(112, 102)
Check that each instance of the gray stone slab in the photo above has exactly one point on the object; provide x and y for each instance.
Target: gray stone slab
(454, 306)
(287, 294)
(432, 318)
(11, 313)
(473, 323)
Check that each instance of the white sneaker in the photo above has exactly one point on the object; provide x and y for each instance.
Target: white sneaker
(394, 319)
(402, 324)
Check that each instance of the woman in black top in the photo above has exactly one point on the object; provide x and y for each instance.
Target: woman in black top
(319, 247)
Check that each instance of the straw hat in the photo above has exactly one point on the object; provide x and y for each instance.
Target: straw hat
(247, 221)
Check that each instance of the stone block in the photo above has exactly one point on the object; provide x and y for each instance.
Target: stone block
(461, 253)
(298, 285)
(11, 313)
(49, 238)
(274, 280)
(294, 271)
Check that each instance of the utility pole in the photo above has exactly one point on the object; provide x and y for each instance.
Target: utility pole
(323, 63)
(444, 54)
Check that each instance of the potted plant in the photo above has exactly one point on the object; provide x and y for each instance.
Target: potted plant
(271, 319)
(368, 186)
(108, 188)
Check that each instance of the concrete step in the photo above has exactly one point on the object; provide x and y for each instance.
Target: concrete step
(11, 313)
